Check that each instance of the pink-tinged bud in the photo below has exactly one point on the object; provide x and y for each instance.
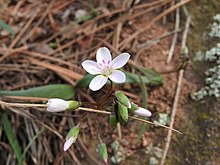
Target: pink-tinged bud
(142, 112)
(57, 105)
(106, 161)
(68, 143)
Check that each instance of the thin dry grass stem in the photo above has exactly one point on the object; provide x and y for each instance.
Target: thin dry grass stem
(68, 44)
(135, 118)
(124, 43)
(177, 94)
(53, 59)
(40, 21)
(146, 5)
(172, 48)
(21, 104)
(56, 68)
(17, 38)
(32, 117)
(151, 8)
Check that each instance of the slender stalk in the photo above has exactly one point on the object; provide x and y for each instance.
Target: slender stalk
(21, 104)
(85, 109)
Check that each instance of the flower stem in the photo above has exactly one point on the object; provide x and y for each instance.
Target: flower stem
(85, 109)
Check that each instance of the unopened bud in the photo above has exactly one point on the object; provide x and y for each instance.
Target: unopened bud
(57, 105)
(142, 112)
(123, 99)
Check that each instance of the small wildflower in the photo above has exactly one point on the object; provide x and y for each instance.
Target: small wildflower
(105, 68)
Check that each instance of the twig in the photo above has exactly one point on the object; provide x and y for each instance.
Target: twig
(56, 68)
(170, 55)
(180, 78)
(158, 39)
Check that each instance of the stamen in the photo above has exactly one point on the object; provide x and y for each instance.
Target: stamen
(103, 61)
(108, 61)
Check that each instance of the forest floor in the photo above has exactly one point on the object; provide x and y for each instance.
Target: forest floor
(53, 38)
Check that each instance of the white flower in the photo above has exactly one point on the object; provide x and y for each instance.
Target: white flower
(68, 143)
(105, 68)
(57, 105)
(142, 112)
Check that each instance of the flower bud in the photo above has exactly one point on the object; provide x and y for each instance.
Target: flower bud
(71, 137)
(123, 99)
(68, 143)
(103, 153)
(142, 112)
(57, 105)
(123, 112)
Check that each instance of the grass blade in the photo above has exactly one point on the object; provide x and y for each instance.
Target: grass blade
(144, 103)
(31, 142)
(12, 138)
(5, 26)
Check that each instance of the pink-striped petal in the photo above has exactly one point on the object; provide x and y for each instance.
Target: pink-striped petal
(103, 56)
(91, 67)
(120, 61)
(117, 76)
(98, 82)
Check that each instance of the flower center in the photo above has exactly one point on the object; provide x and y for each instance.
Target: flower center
(106, 69)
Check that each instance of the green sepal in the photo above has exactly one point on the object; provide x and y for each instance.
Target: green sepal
(103, 153)
(113, 121)
(73, 105)
(73, 132)
(133, 107)
(122, 98)
(123, 112)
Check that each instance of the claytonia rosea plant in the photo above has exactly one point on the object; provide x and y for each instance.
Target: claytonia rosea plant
(105, 68)
(111, 102)
(114, 103)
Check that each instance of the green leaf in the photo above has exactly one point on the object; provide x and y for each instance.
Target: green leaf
(144, 103)
(61, 91)
(12, 138)
(113, 121)
(123, 112)
(153, 79)
(84, 82)
(102, 149)
(5, 26)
